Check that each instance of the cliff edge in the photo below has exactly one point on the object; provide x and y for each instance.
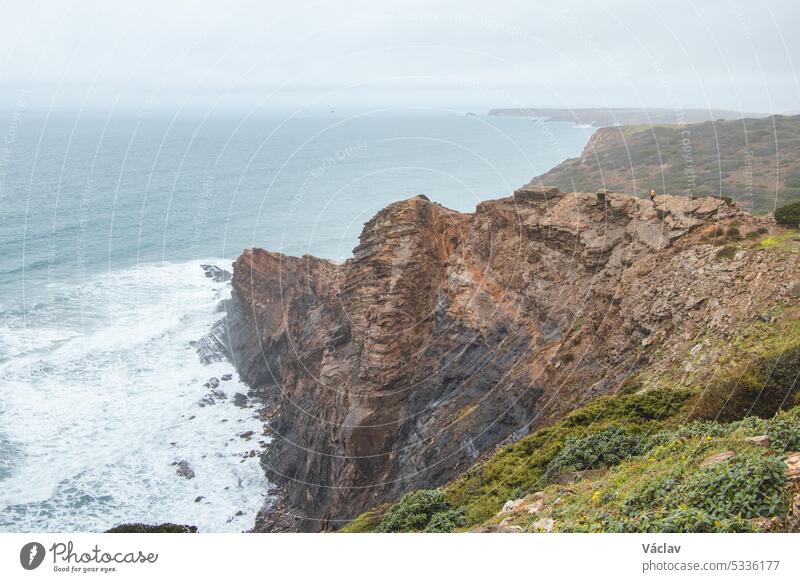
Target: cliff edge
(449, 334)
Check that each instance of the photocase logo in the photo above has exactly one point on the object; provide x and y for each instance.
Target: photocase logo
(31, 555)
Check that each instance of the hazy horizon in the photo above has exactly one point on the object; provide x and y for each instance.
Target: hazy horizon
(453, 55)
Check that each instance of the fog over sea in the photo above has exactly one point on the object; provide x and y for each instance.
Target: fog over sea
(105, 220)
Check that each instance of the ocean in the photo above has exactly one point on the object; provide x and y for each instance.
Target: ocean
(105, 221)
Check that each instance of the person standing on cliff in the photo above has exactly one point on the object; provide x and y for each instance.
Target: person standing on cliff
(652, 195)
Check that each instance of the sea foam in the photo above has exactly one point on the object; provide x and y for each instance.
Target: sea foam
(99, 397)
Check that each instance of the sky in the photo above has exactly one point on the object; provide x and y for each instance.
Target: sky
(461, 55)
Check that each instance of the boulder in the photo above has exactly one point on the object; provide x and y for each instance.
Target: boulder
(510, 506)
(185, 470)
(717, 458)
(792, 461)
(761, 440)
(545, 524)
(216, 273)
(793, 519)
(497, 528)
(794, 289)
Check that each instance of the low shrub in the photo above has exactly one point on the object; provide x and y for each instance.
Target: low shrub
(447, 521)
(726, 253)
(761, 388)
(784, 430)
(602, 449)
(749, 486)
(788, 215)
(414, 511)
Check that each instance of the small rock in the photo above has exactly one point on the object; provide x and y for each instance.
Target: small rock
(213, 382)
(240, 400)
(544, 524)
(185, 470)
(535, 505)
(246, 435)
(207, 400)
(198, 499)
(792, 461)
(718, 458)
(767, 524)
(761, 440)
(794, 289)
(226, 377)
(510, 506)
(216, 273)
(497, 528)
(793, 519)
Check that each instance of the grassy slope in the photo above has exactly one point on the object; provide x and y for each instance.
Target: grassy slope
(755, 161)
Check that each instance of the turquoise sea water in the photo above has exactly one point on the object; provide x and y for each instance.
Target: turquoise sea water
(104, 222)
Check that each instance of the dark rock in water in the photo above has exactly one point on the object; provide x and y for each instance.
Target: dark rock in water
(247, 434)
(185, 470)
(216, 273)
(212, 383)
(219, 395)
(147, 528)
(240, 400)
(226, 377)
(214, 346)
(198, 499)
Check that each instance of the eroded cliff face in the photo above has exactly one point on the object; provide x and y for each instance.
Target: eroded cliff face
(448, 334)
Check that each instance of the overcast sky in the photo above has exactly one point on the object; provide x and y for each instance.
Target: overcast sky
(149, 55)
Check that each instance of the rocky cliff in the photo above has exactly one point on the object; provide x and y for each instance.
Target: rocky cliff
(449, 334)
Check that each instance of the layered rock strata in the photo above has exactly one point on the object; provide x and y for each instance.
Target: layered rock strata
(447, 334)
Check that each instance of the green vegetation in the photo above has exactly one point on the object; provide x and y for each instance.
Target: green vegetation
(735, 158)
(789, 215)
(602, 449)
(423, 510)
(520, 468)
(648, 473)
(669, 488)
(638, 461)
(760, 384)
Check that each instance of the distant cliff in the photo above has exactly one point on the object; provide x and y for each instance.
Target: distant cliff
(448, 334)
(607, 117)
(753, 161)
